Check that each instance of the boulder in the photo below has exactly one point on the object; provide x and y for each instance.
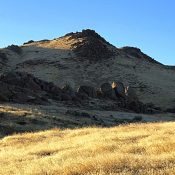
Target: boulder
(119, 89)
(107, 91)
(88, 90)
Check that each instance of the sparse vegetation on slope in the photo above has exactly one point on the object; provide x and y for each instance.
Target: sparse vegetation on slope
(86, 58)
(126, 150)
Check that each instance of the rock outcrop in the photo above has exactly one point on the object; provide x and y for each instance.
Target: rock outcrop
(136, 52)
(91, 45)
(88, 90)
(107, 91)
(15, 49)
(119, 89)
(20, 87)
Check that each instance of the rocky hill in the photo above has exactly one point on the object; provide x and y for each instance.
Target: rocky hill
(85, 58)
(80, 80)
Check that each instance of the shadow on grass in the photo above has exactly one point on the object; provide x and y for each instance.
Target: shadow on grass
(13, 121)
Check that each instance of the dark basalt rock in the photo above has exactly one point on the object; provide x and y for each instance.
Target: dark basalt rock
(92, 49)
(136, 52)
(20, 79)
(92, 46)
(12, 93)
(15, 49)
(133, 51)
(21, 87)
(119, 89)
(88, 90)
(29, 42)
(107, 91)
(87, 33)
(28, 81)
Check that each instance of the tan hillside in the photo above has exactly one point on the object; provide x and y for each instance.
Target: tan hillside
(140, 149)
(86, 58)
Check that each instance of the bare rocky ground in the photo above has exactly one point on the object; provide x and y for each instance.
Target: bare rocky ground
(67, 82)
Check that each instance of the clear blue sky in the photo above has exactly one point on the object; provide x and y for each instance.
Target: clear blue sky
(147, 24)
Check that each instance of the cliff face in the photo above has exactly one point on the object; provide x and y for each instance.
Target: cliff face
(85, 58)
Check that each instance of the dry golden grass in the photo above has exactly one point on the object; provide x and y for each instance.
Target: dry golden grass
(59, 43)
(145, 149)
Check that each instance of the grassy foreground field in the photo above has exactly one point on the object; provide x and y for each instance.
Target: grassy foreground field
(145, 149)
